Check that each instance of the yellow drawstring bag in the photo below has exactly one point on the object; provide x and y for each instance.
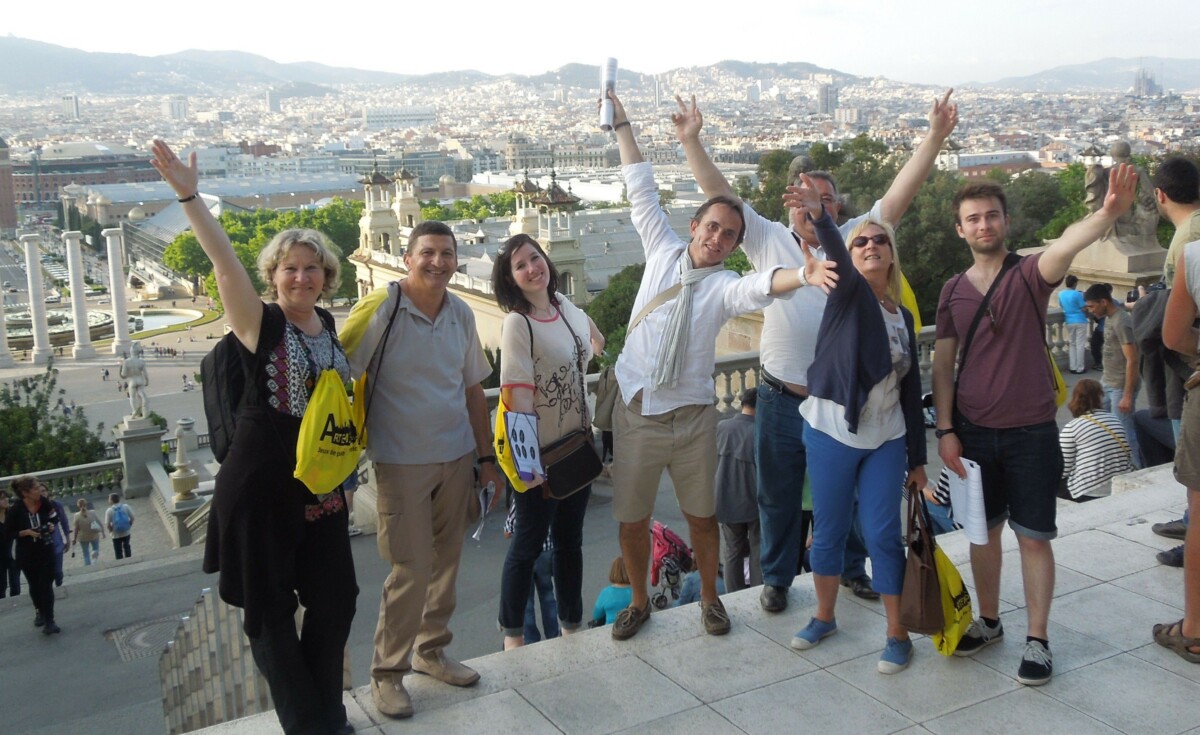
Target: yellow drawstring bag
(909, 300)
(956, 604)
(330, 442)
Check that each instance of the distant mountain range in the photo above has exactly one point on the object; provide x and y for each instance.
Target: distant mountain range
(1113, 74)
(34, 67)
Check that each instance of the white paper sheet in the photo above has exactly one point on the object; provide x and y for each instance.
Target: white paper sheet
(966, 497)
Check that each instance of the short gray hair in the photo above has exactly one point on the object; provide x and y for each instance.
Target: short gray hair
(314, 240)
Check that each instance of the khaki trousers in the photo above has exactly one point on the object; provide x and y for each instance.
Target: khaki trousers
(422, 519)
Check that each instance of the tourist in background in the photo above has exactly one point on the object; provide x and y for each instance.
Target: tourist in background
(31, 522)
(616, 596)
(545, 344)
(118, 519)
(1094, 445)
(1076, 319)
(1121, 376)
(88, 532)
(737, 503)
(275, 543)
(10, 573)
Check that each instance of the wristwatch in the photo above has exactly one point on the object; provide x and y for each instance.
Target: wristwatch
(939, 433)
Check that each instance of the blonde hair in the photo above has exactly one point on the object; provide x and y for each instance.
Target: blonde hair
(616, 573)
(281, 245)
(895, 288)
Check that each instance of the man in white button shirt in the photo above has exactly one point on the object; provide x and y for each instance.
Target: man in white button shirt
(666, 418)
(789, 341)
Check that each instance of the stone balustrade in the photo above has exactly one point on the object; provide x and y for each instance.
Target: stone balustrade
(80, 481)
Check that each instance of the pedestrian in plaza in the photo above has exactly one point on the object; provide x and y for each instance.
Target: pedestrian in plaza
(1094, 445)
(1121, 360)
(61, 536)
(88, 531)
(737, 505)
(1076, 319)
(275, 543)
(10, 573)
(118, 519)
(545, 345)
(31, 522)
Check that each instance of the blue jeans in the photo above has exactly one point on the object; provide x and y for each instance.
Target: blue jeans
(536, 516)
(879, 476)
(1112, 397)
(782, 461)
(89, 549)
(543, 584)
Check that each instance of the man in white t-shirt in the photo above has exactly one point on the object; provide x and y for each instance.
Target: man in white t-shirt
(789, 339)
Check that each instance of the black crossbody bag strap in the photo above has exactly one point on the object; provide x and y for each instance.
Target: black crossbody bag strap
(1010, 261)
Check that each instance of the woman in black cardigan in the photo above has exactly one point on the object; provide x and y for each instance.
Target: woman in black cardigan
(31, 522)
(863, 428)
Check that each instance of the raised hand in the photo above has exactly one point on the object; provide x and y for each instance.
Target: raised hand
(619, 115)
(806, 198)
(1122, 188)
(820, 273)
(688, 120)
(943, 116)
(182, 177)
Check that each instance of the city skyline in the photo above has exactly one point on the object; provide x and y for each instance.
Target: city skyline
(928, 42)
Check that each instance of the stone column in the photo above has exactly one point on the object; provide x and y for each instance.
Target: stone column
(42, 351)
(83, 338)
(6, 358)
(116, 289)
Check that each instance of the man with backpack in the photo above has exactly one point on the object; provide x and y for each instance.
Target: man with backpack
(118, 518)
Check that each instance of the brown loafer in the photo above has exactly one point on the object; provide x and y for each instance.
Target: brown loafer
(629, 621)
(445, 670)
(714, 617)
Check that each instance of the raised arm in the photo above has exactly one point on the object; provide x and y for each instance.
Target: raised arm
(242, 305)
(688, 122)
(943, 116)
(1122, 185)
(623, 129)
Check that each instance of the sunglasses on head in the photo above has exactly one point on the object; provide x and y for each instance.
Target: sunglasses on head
(880, 239)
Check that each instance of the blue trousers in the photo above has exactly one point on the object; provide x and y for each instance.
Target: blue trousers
(543, 585)
(779, 452)
(878, 475)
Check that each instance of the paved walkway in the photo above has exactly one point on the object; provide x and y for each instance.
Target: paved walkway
(1109, 676)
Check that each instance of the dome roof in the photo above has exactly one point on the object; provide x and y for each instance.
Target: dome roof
(137, 214)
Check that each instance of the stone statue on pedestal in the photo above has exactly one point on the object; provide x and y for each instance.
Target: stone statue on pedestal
(133, 369)
(1140, 223)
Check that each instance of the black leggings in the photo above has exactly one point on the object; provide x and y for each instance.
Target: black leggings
(39, 575)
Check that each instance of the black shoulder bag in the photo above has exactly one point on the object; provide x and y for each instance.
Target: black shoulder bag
(571, 463)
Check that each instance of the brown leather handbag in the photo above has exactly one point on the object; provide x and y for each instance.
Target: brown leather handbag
(920, 597)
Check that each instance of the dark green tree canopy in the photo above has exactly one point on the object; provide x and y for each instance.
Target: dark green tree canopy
(35, 434)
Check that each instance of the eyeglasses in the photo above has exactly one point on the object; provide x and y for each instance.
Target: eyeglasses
(880, 239)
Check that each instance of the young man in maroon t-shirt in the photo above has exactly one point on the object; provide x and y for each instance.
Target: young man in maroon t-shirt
(1001, 411)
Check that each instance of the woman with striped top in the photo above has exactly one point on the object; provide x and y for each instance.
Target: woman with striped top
(1095, 447)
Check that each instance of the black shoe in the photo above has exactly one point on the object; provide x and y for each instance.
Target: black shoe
(978, 636)
(773, 598)
(1171, 557)
(861, 587)
(51, 628)
(1036, 665)
(1175, 529)
(38, 621)
(345, 729)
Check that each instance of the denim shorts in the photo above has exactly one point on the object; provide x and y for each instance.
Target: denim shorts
(1021, 468)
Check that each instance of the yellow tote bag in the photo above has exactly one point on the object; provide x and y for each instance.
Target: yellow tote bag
(908, 299)
(504, 455)
(329, 445)
(956, 604)
(1060, 385)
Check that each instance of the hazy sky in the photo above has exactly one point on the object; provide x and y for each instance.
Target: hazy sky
(929, 41)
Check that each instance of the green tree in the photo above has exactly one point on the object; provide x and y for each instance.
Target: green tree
(1070, 187)
(34, 432)
(823, 158)
(864, 174)
(611, 310)
(772, 176)
(930, 249)
(184, 255)
(1033, 200)
(738, 262)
